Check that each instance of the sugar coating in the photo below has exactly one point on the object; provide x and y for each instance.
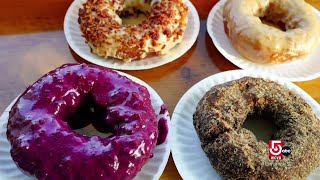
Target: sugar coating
(235, 152)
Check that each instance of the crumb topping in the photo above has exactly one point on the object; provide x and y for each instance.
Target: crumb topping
(102, 27)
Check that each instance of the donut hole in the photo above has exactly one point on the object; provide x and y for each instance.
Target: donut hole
(278, 25)
(261, 124)
(135, 12)
(84, 120)
(276, 16)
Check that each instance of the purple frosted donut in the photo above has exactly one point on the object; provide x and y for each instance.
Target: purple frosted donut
(44, 143)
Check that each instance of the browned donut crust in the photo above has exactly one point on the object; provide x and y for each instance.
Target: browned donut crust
(102, 28)
(235, 152)
(251, 26)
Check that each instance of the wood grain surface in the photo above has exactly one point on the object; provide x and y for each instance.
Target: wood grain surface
(32, 43)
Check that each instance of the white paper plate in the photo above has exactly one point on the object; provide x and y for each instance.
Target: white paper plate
(151, 170)
(299, 70)
(187, 153)
(77, 42)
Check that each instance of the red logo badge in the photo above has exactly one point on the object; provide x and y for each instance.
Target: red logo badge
(275, 149)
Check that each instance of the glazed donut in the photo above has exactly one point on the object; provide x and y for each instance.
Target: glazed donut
(107, 37)
(271, 31)
(44, 145)
(235, 152)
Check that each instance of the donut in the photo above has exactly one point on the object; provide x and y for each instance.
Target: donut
(271, 31)
(107, 36)
(235, 152)
(44, 145)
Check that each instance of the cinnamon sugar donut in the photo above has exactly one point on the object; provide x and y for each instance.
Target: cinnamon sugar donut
(106, 35)
(235, 152)
(271, 31)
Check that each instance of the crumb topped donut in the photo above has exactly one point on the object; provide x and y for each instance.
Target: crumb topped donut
(235, 152)
(44, 145)
(106, 35)
(271, 31)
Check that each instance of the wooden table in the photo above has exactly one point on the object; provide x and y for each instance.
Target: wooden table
(32, 42)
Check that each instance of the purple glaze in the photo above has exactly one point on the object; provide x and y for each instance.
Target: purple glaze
(163, 131)
(44, 144)
(163, 109)
(162, 124)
